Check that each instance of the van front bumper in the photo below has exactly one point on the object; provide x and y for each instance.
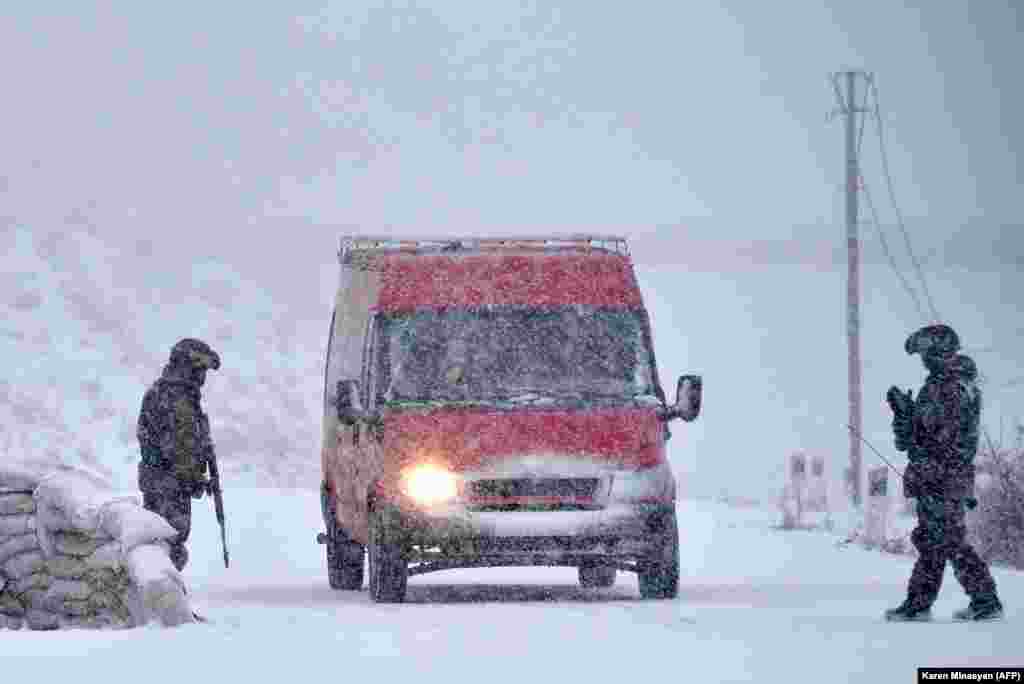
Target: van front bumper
(618, 533)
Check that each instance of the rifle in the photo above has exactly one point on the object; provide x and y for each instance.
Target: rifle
(218, 504)
(970, 501)
(877, 452)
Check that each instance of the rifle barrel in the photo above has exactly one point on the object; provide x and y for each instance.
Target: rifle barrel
(218, 505)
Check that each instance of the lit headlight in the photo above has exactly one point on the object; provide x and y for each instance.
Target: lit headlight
(429, 484)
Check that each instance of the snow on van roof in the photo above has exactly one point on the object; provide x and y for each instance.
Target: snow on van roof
(411, 282)
(424, 245)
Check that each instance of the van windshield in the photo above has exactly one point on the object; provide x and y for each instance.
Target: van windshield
(512, 354)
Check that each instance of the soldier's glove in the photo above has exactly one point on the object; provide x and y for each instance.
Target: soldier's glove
(901, 403)
(912, 481)
(200, 487)
(903, 432)
(902, 406)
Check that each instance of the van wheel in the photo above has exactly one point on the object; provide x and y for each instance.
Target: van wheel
(596, 576)
(658, 575)
(344, 563)
(344, 556)
(389, 572)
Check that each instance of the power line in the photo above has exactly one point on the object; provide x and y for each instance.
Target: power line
(892, 196)
(1013, 383)
(888, 253)
(871, 205)
(982, 377)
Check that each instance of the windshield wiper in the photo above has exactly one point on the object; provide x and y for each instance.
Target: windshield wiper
(534, 395)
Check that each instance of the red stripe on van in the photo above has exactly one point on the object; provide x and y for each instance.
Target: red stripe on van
(417, 282)
(465, 439)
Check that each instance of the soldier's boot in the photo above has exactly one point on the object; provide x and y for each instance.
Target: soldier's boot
(909, 611)
(988, 608)
(976, 579)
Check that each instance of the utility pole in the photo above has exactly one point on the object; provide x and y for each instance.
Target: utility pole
(845, 86)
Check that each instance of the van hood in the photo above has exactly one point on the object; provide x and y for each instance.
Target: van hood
(487, 440)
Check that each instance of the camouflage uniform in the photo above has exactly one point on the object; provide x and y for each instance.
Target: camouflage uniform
(174, 440)
(940, 433)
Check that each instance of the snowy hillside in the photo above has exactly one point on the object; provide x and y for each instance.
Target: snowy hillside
(87, 326)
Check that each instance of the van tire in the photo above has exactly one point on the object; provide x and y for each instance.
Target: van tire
(389, 572)
(658, 575)
(344, 556)
(596, 575)
(344, 563)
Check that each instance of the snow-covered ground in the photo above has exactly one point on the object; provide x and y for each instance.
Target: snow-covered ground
(756, 604)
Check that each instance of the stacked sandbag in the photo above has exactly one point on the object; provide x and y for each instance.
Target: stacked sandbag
(73, 554)
(20, 553)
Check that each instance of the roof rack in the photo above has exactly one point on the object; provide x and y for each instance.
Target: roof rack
(420, 245)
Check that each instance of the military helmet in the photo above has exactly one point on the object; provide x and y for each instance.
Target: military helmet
(195, 353)
(933, 340)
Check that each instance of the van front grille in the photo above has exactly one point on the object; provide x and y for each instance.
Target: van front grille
(548, 488)
(529, 506)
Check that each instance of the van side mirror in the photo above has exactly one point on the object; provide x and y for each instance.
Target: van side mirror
(348, 402)
(689, 393)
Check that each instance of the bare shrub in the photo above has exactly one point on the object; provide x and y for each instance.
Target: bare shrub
(997, 525)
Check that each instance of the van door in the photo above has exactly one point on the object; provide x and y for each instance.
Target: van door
(359, 447)
(337, 437)
(327, 438)
(349, 439)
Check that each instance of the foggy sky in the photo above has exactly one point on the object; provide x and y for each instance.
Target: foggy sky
(705, 122)
(257, 135)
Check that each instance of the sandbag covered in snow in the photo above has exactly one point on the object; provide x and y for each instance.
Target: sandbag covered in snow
(16, 503)
(13, 546)
(75, 553)
(75, 501)
(10, 606)
(108, 556)
(72, 500)
(17, 478)
(37, 580)
(23, 565)
(131, 525)
(162, 589)
(14, 525)
(42, 620)
(76, 543)
(66, 567)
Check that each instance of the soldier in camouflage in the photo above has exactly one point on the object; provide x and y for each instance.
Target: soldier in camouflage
(174, 441)
(939, 432)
